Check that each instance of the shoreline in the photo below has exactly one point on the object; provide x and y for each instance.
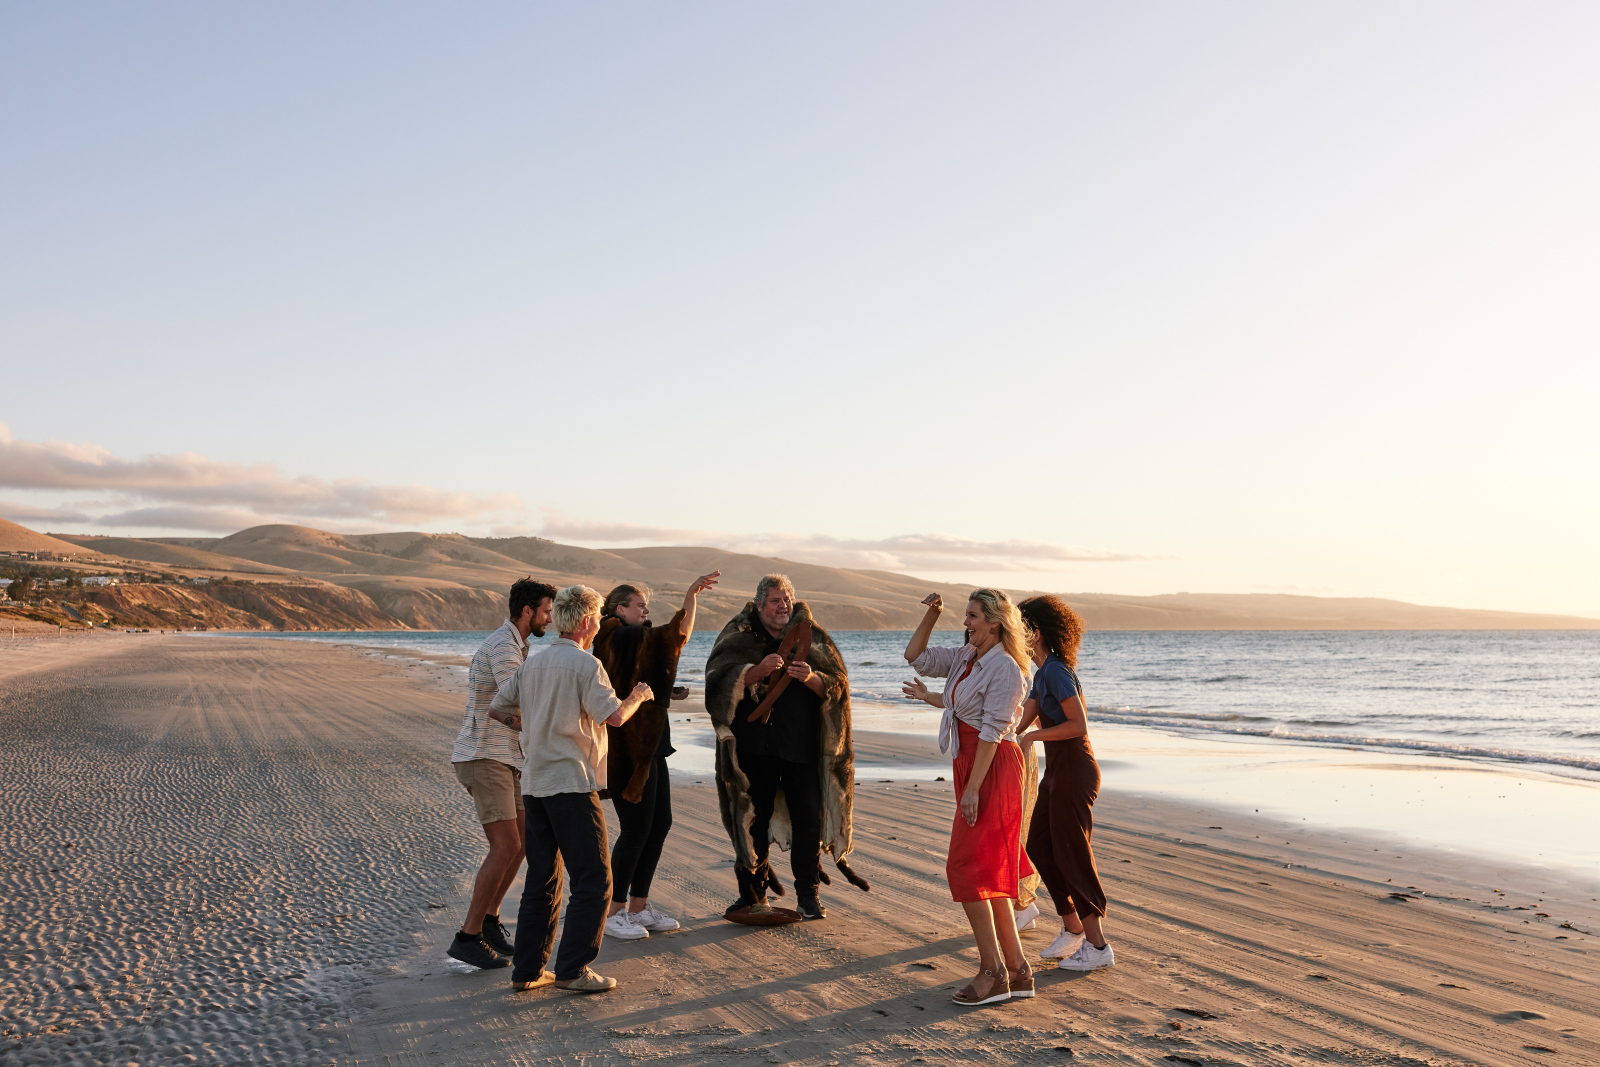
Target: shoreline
(309, 925)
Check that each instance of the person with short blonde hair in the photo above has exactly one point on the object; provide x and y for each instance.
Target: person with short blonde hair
(574, 604)
(566, 702)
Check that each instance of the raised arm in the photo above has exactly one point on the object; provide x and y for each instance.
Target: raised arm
(919, 637)
(696, 587)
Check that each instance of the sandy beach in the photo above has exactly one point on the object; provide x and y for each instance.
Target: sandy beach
(232, 851)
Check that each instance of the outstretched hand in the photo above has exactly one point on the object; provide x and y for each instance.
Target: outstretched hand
(915, 689)
(704, 582)
(934, 601)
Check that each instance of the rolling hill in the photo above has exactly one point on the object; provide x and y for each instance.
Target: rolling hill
(449, 581)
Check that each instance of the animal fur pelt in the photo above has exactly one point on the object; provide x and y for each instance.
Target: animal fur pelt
(631, 654)
(739, 647)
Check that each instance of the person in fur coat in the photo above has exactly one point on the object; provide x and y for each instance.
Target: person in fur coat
(779, 697)
(631, 651)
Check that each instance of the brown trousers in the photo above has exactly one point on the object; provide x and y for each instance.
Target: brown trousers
(1063, 823)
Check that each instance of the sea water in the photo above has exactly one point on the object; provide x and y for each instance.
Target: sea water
(1518, 696)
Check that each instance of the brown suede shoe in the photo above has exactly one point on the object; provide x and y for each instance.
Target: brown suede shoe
(1021, 981)
(993, 990)
(587, 982)
(547, 978)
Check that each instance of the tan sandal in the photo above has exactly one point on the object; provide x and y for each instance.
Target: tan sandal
(1020, 981)
(998, 990)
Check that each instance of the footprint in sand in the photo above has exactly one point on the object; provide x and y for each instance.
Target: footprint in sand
(1515, 1016)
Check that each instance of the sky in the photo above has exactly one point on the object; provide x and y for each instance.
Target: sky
(1092, 297)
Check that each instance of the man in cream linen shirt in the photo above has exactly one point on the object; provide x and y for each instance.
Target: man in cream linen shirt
(566, 702)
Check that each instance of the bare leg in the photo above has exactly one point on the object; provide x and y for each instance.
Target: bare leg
(512, 869)
(1071, 923)
(1092, 930)
(1005, 925)
(981, 916)
(635, 905)
(498, 871)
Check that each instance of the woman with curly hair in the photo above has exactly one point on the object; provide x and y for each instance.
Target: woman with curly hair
(1063, 820)
(981, 703)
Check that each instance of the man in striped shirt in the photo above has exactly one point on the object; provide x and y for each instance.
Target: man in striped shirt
(488, 763)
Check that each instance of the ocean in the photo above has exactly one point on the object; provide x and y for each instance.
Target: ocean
(1530, 697)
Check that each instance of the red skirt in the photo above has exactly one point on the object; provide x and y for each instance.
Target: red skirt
(987, 859)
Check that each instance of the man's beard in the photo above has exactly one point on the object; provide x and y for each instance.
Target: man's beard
(536, 631)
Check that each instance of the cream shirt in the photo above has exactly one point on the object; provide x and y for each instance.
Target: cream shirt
(989, 699)
(565, 698)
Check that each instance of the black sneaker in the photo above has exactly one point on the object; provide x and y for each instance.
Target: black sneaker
(478, 953)
(495, 934)
(809, 906)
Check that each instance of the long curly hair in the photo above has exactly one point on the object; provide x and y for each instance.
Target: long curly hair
(1058, 626)
(998, 609)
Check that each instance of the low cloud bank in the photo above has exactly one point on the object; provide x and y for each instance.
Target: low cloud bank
(906, 552)
(189, 492)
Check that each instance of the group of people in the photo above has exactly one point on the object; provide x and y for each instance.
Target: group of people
(547, 737)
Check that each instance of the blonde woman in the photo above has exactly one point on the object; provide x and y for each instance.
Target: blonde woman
(982, 702)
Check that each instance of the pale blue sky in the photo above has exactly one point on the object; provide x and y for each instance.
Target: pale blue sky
(1263, 296)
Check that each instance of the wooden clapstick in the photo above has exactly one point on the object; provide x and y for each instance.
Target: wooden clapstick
(796, 645)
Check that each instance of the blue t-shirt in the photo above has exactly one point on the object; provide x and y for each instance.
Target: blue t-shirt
(1053, 683)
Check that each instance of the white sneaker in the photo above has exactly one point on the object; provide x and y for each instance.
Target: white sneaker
(622, 927)
(653, 920)
(1026, 916)
(1063, 946)
(1088, 958)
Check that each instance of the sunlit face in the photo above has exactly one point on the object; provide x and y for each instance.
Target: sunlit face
(979, 629)
(775, 609)
(536, 619)
(634, 611)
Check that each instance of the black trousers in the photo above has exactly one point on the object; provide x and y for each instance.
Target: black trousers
(567, 829)
(643, 832)
(802, 790)
(1063, 827)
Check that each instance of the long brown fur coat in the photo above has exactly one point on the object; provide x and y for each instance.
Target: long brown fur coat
(739, 647)
(630, 655)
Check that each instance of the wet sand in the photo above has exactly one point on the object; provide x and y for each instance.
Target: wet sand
(237, 852)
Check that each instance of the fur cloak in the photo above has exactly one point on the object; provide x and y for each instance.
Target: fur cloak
(740, 646)
(630, 655)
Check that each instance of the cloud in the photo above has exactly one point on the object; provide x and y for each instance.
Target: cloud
(29, 513)
(929, 553)
(186, 491)
(213, 494)
(559, 526)
(178, 517)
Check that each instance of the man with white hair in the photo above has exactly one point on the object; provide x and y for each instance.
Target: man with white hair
(566, 702)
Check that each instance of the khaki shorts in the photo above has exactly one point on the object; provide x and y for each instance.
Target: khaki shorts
(496, 788)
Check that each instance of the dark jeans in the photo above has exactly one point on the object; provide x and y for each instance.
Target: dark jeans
(565, 829)
(644, 831)
(802, 790)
